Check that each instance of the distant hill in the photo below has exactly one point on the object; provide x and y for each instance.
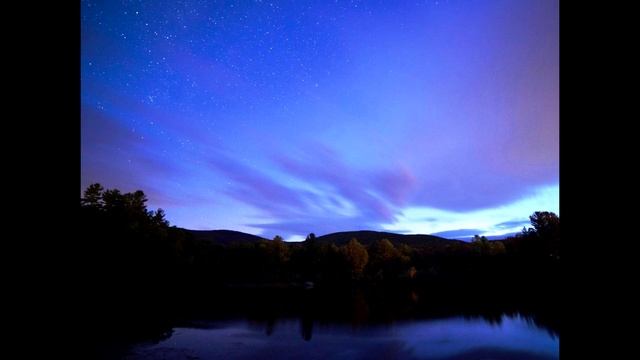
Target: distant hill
(224, 237)
(503, 236)
(367, 237)
(492, 237)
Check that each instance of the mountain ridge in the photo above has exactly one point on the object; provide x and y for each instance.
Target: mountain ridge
(366, 237)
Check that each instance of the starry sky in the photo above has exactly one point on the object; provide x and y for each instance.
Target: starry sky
(290, 117)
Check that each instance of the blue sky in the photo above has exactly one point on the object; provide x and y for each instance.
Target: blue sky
(290, 117)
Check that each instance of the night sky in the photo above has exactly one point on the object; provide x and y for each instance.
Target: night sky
(291, 117)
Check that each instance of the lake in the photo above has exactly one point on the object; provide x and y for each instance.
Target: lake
(353, 324)
(509, 337)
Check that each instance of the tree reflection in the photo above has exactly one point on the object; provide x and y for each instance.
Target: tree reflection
(271, 324)
(306, 327)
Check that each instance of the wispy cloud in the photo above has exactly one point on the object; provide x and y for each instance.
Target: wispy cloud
(455, 234)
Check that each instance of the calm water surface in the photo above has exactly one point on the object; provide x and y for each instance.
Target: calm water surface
(508, 337)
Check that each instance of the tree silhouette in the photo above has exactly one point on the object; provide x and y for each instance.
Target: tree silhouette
(482, 245)
(279, 250)
(93, 196)
(310, 258)
(541, 240)
(159, 218)
(547, 231)
(545, 223)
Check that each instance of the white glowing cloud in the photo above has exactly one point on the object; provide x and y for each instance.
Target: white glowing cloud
(425, 220)
(295, 238)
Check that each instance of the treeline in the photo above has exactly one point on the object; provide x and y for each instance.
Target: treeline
(127, 244)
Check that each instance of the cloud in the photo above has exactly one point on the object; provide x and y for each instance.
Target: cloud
(316, 192)
(502, 236)
(99, 130)
(375, 194)
(475, 187)
(251, 186)
(489, 221)
(512, 224)
(394, 185)
(454, 234)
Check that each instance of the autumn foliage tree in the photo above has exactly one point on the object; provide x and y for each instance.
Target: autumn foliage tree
(385, 260)
(356, 257)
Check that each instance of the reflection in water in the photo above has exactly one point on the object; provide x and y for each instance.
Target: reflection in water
(306, 327)
(271, 323)
(511, 337)
(359, 309)
(306, 318)
(362, 325)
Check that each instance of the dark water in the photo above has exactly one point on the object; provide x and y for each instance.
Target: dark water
(507, 337)
(353, 323)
